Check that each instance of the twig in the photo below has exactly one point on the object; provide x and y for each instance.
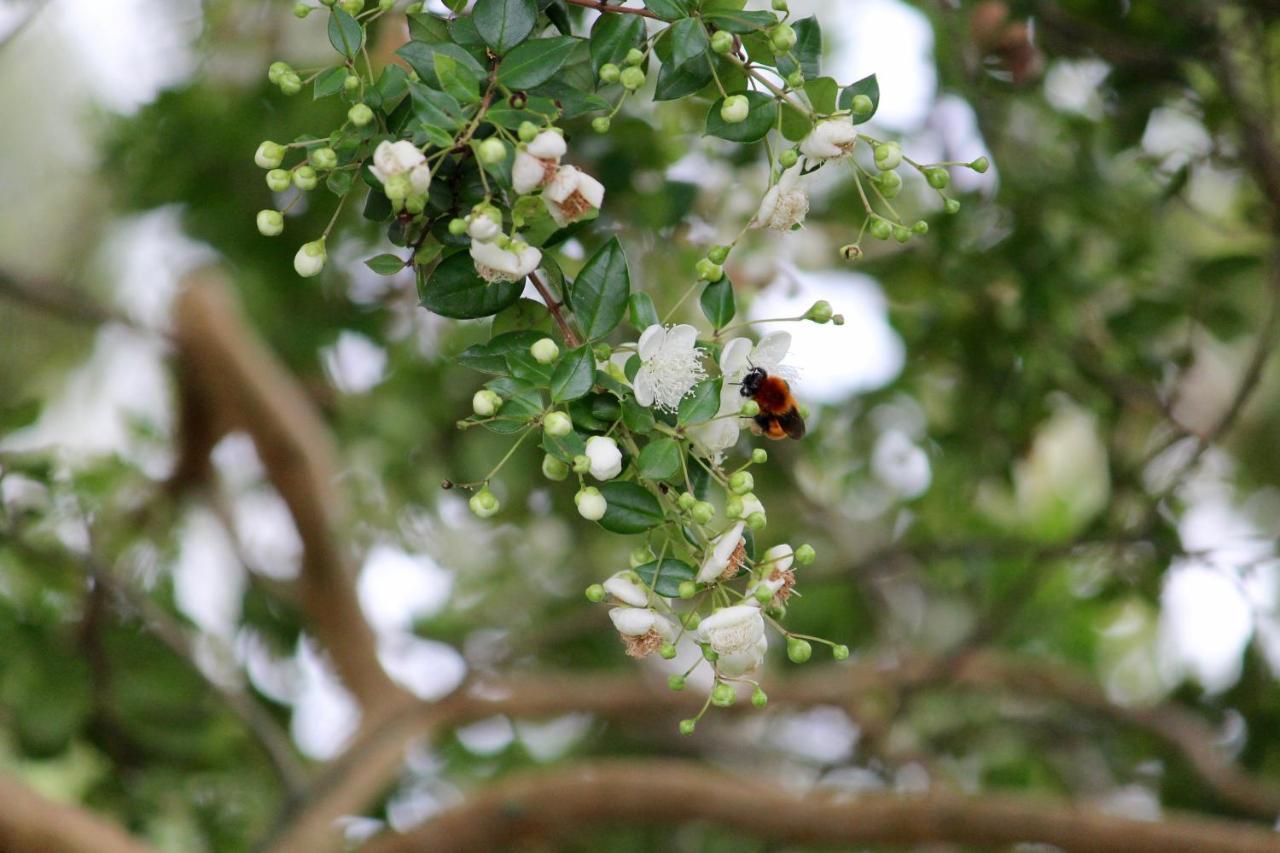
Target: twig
(58, 300)
(29, 823)
(571, 338)
(601, 6)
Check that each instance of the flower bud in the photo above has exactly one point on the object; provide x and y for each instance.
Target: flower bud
(890, 184)
(920, 227)
(327, 2)
(553, 468)
(386, 5)
(290, 83)
(881, 229)
(352, 7)
(591, 504)
(779, 5)
(557, 424)
(851, 252)
(788, 158)
(301, 10)
(742, 482)
(595, 593)
(862, 106)
(687, 726)
(634, 57)
(601, 124)
(901, 233)
(676, 682)
(687, 589)
(484, 503)
(718, 254)
(269, 155)
(415, 204)
(820, 312)
(640, 556)
(759, 456)
(276, 72)
(527, 131)
(708, 270)
(486, 403)
(757, 521)
(763, 594)
(324, 158)
(270, 222)
(457, 226)
(350, 83)
(304, 178)
(749, 409)
(840, 652)
(722, 695)
(310, 258)
(632, 78)
(491, 151)
(544, 351)
(667, 651)
(703, 512)
(888, 156)
(601, 352)
(722, 41)
(952, 206)
(710, 654)
(398, 187)
(980, 165)
(278, 180)
(686, 501)
(759, 698)
(798, 650)
(782, 37)
(609, 73)
(795, 79)
(805, 554)
(735, 109)
(937, 177)
(581, 463)
(360, 115)
(733, 507)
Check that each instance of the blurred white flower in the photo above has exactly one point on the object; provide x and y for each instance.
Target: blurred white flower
(536, 163)
(513, 263)
(900, 464)
(571, 195)
(736, 634)
(720, 556)
(830, 139)
(606, 458)
(670, 365)
(784, 205)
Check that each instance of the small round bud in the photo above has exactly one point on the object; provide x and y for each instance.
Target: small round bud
(687, 589)
(591, 504)
(290, 83)
(350, 83)
(759, 698)
(676, 682)
(595, 593)
(890, 184)
(952, 206)
(795, 79)
(553, 468)
(352, 7)
(457, 226)
(881, 229)
(901, 233)
(601, 124)
(632, 78)
(360, 115)
(708, 271)
(301, 10)
(920, 227)
(937, 177)
(840, 652)
(782, 37)
(609, 73)
(805, 554)
(279, 180)
(723, 695)
(602, 352)
(276, 72)
(270, 223)
(528, 131)
(851, 252)
(304, 178)
(757, 521)
(710, 654)
(686, 501)
(386, 5)
(484, 503)
(759, 456)
(491, 151)
(557, 424)
(328, 2)
(722, 41)
(735, 109)
(269, 155)
(703, 512)
(324, 158)
(687, 726)
(742, 482)
(820, 312)
(798, 650)
(718, 254)
(634, 56)
(733, 507)
(776, 612)
(486, 403)
(640, 556)
(581, 463)
(415, 204)
(788, 158)
(310, 258)
(398, 187)
(980, 165)
(862, 106)
(763, 594)
(666, 651)
(749, 409)
(691, 621)
(518, 100)
(888, 156)
(544, 351)
(779, 5)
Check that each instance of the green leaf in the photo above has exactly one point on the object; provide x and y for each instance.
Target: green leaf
(676, 82)
(345, 34)
(763, 115)
(421, 58)
(612, 36)
(665, 576)
(808, 49)
(330, 82)
(631, 508)
(454, 290)
(535, 61)
(822, 93)
(524, 366)
(795, 124)
(491, 357)
(387, 264)
(564, 447)
(868, 86)
(660, 459)
(573, 101)
(599, 295)
(462, 31)
(636, 417)
(574, 375)
(668, 10)
(339, 183)
(688, 41)
(741, 22)
(642, 312)
(503, 24)
(521, 404)
(455, 79)
(702, 404)
(392, 82)
(435, 109)
(523, 315)
(428, 27)
(717, 302)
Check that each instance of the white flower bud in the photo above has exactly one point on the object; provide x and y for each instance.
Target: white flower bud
(591, 504)
(269, 155)
(544, 351)
(486, 403)
(309, 260)
(270, 223)
(605, 457)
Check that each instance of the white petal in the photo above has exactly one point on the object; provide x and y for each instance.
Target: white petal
(651, 340)
(771, 350)
(768, 205)
(526, 173)
(420, 179)
(495, 257)
(591, 189)
(621, 587)
(717, 558)
(733, 358)
(547, 145)
(563, 185)
(605, 457)
(735, 664)
(682, 336)
(779, 557)
(527, 261)
(643, 387)
(632, 621)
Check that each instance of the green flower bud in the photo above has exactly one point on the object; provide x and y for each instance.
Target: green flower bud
(310, 258)
(386, 5)
(350, 83)
(707, 270)
(850, 252)
(776, 612)
(862, 106)
(640, 556)
(632, 78)
(749, 409)
(759, 698)
(486, 402)
(687, 726)
(686, 501)
(763, 594)
(528, 131)
(484, 503)
(398, 187)
(276, 72)
(553, 468)
(544, 351)
(757, 521)
(805, 554)
(718, 254)
(888, 156)
(415, 204)
(279, 180)
(634, 57)
(798, 650)
(819, 312)
(609, 73)
(890, 184)
(779, 5)
(722, 41)
(742, 482)
(301, 10)
(413, 8)
(840, 652)
(687, 589)
(600, 124)
(703, 512)
(920, 227)
(782, 37)
(360, 115)
(602, 352)
(270, 223)
(759, 456)
(881, 229)
(304, 178)
(457, 226)
(581, 464)
(269, 155)
(952, 206)
(691, 621)
(733, 507)
(795, 79)
(980, 165)
(595, 593)
(735, 109)
(901, 233)
(491, 151)
(666, 651)
(290, 83)
(353, 7)
(676, 682)
(557, 424)
(327, 2)
(722, 695)
(324, 158)
(788, 158)
(937, 177)
(710, 654)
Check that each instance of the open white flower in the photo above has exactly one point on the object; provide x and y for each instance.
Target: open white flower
(571, 195)
(512, 263)
(777, 574)
(714, 437)
(536, 163)
(784, 205)
(606, 458)
(829, 140)
(624, 588)
(736, 634)
(670, 365)
(643, 631)
(721, 555)
(398, 158)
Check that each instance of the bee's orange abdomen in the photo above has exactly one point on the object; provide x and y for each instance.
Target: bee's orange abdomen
(774, 395)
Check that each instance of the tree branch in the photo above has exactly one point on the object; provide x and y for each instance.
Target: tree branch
(602, 6)
(29, 822)
(551, 806)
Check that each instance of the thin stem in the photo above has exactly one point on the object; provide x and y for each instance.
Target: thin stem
(601, 6)
(571, 338)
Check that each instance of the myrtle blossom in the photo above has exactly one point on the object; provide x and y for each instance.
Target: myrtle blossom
(777, 574)
(591, 504)
(785, 204)
(670, 365)
(484, 223)
(626, 588)
(571, 195)
(504, 259)
(724, 556)
(604, 456)
(737, 635)
(398, 158)
(739, 356)
(642, 630)
(829, 140)
(536, 164)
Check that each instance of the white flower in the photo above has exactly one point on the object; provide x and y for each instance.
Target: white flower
(736, 634)
(395, 158)
(642, 630)
(738, 356)
(721, 553)
(784, 205)
(623, 587)
(777, 574)
(310, 259)
(513, 263)
(536, 163)
(606, 458)
(830, 139)
(571, 195)
(751, 504)
(670, 365)
(483, 227)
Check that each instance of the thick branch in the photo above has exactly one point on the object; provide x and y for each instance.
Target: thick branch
(602, 6)
(29, 822)
(551, 806)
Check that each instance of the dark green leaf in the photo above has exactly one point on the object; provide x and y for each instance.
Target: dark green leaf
(454, 290)
(642, 312)
(677, 81)
(330, 82)
(387, 264)
(822, 93)
(339, 182)
(717, 302)
(490, 357)
(345, 34)
(421, 58)
(636, 417)
(535, 61)
(503, 24)
(668, 10)
(868, 86)
(564, 447)
(664, 577)
(462, 31)
(612, 36)
(392, 83)
(688, 41)
(808, 49)
(521, 404)
(428, 27)
(574, 375)
(631, 508)
(524, 366)
(599, 295)
(741, 22)
(660, 459)
(702, 404)
(763, 115)
(456, 79)
(572, 101)
(795, 124)
(435, 109)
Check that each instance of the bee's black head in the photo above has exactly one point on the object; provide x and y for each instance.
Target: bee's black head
(752, 381)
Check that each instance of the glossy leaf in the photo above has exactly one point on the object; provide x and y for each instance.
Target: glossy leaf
(490, 357)
(599, 295)
(454, 290)
(761, 119)
(868, 86)
(345, 34)
(665, 576)
(503, 24)
(660, 459)
(535, 61)
(631, 508)
(668, 10)
(574, 375)
(612, 36)
(702, 404)
(717, 302)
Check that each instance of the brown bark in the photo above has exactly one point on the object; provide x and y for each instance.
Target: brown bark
(29, 822)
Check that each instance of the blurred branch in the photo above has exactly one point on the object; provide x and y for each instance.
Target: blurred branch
(57, 299)
(556, 805)
(29, 822)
